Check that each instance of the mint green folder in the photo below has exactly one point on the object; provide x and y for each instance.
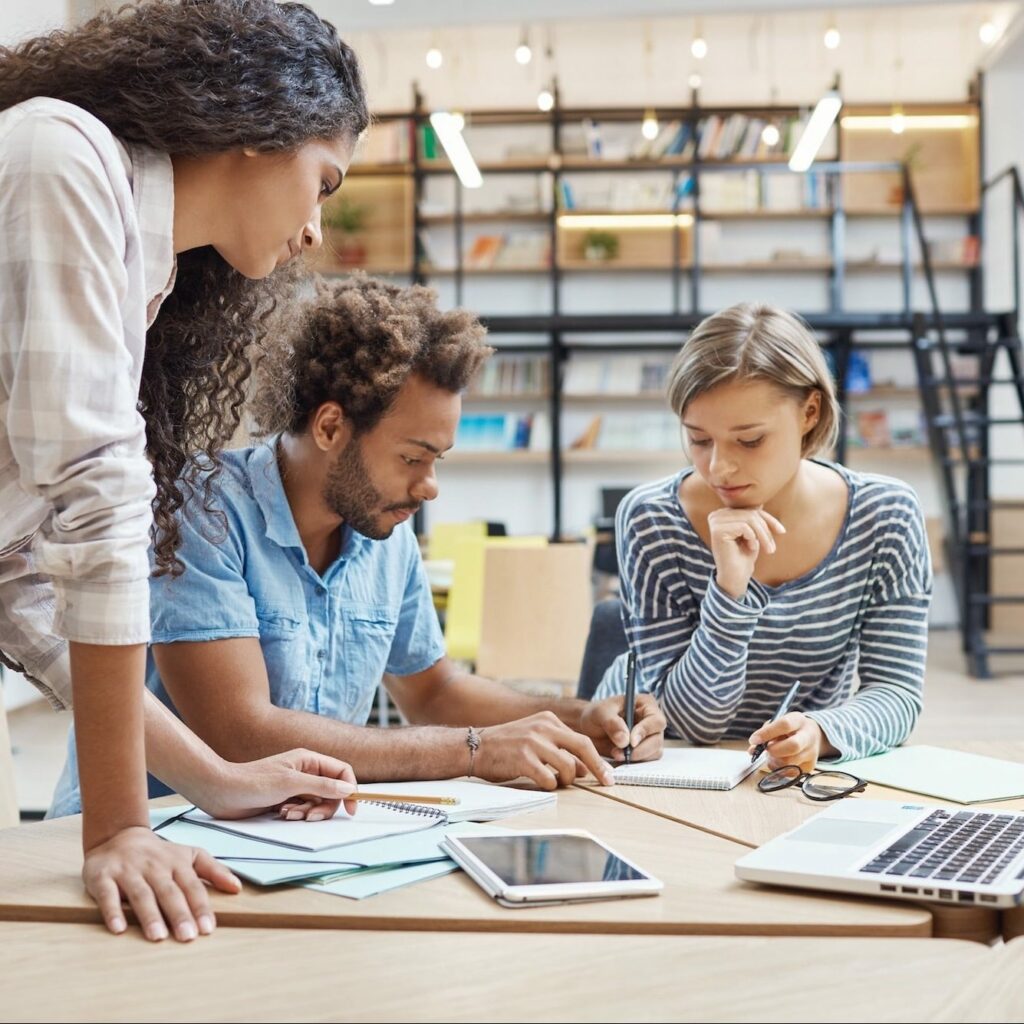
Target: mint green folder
(944, 774)
(268, 864)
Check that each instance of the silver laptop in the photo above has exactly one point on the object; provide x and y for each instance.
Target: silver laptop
(902, 850)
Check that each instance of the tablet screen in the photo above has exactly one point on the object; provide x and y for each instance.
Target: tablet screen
(549, 859)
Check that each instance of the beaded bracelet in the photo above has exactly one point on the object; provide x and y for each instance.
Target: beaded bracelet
(473, 737)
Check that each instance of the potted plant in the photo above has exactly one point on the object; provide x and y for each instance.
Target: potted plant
(345, 219)
(600, 245)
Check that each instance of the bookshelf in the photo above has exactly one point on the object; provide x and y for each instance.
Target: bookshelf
(704, 214)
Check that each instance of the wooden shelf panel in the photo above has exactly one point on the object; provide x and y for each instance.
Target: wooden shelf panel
(521, 457)
(483, 271)
(528, 216)
(525, 396)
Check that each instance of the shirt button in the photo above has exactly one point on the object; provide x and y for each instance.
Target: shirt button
(321, 654)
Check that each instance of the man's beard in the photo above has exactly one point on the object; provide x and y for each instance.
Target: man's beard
(349, 493)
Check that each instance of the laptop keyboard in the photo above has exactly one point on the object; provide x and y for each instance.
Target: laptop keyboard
(965, 846)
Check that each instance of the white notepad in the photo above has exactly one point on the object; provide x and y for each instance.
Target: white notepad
(371, 821)
(690, 768)
(478, 801)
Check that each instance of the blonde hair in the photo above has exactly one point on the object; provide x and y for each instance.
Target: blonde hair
(750, 342)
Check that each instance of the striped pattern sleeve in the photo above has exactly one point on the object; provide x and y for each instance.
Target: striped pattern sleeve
(893, 638)
(692, 655)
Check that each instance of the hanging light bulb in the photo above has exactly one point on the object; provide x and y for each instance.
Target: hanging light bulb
(770, 135)
(545, 100)
(693, 81)
(458, 121)
(832, 38)
(699, 47)
(434, 58)
(523, 52)
(897, 123)
(649, 128)
(988, 32)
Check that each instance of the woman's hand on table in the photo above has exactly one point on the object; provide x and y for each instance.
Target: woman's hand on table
(162, 882)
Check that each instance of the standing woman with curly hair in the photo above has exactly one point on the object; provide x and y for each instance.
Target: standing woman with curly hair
(157, 166)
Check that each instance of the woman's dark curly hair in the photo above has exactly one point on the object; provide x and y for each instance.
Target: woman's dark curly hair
(195, 77)
(356, 342)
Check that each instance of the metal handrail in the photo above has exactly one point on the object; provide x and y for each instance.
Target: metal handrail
(1013, 174)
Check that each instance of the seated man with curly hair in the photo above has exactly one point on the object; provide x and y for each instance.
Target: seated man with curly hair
(303, 585)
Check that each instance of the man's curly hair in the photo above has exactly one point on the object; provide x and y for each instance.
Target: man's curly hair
(357, 342)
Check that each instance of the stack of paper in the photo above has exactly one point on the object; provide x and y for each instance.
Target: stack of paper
(357, 870)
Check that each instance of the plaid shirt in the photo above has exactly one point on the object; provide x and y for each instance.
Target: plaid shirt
(86, 258)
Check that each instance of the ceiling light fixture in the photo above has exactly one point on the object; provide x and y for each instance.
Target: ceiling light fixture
(649, 128)
(988, 32)
(523, 52)
(448, 130)
(545, 100)
(434, 58)
(818, 127)
(832, 38)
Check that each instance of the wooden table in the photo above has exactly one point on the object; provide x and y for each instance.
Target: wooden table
(747, 816)
(41, 865)
(260, 974)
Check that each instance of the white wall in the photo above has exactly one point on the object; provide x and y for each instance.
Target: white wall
(1004, 147)
(20, 19)
(922, 52)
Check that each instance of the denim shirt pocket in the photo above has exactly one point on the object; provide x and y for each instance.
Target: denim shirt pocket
(284, 644)
(369, 632)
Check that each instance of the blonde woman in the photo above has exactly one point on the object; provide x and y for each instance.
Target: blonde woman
(765, 564)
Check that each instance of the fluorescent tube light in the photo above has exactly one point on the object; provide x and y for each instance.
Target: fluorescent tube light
(818, 126)
(883, 122)
(447, 127)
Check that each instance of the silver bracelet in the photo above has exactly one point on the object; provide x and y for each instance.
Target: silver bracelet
(473, 737)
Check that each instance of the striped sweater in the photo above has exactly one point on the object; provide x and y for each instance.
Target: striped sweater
(853, 629)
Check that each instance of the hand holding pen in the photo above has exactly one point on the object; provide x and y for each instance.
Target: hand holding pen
(791, 738)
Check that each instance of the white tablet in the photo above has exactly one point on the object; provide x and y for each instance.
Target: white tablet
(548, 866)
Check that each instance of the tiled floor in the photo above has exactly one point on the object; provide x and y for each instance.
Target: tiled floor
(956, 707)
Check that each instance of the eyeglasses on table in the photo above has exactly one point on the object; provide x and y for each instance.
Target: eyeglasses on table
(823, 785)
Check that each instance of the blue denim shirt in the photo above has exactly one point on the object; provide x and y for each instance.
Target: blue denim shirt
(326, 640)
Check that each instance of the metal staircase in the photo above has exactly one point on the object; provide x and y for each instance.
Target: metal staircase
(958, 412)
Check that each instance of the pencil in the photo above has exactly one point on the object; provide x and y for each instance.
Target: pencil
(391, 798)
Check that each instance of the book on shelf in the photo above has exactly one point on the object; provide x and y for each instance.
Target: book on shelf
(616, 374)
(497, 432)
(511, 375)
(886, 428)
(510, 249)
(965, 251)
(614, 431)
(483, 252)
(725, 137)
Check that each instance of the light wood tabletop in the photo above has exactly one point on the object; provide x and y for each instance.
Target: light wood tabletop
(747, 816)
(40, 881)
(78, 972)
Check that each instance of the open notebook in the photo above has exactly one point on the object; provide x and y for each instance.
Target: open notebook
(690, 768)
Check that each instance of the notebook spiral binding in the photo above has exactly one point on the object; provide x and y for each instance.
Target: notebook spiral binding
(673, 781)
(420, 809)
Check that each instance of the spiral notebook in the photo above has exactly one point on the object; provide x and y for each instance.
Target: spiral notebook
(371, 821)
(690, 768)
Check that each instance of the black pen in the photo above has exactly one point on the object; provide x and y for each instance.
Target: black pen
(783, 708)
(629, 710)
